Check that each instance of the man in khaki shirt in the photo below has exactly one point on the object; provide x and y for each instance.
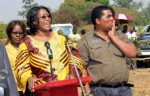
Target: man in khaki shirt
(103, 51)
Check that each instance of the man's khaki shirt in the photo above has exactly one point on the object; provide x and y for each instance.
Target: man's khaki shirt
(105, 63)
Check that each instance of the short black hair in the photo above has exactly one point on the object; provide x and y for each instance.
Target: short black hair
(97, 12)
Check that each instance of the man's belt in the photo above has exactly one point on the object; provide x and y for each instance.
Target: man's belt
(113, 85)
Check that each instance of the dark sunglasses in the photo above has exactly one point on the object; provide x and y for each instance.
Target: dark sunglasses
(44, 17)
(17, 33)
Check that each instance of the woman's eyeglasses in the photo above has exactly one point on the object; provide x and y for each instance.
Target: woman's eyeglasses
(44, 17)
(17, 33)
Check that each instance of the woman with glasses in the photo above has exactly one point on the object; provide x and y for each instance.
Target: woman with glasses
(34, 64)
(16, 31)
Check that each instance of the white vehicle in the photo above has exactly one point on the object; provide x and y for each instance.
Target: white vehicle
(145, 51)
(66, 28)
(146, 29)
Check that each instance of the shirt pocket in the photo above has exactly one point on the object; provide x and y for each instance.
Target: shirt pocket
(95, 50)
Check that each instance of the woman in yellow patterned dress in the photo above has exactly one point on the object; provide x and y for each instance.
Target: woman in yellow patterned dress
(16, 31)
(33, 64)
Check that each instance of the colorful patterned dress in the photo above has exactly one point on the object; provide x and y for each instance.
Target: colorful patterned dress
(32, 60)
(12, 54)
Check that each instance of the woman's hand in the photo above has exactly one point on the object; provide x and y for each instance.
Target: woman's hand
(31, 82)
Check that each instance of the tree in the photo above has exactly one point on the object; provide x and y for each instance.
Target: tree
(2, 31)
(135, 14)
(129, 4)
(123, 3)
(27, 5)
(89, 6)
(104, 2)
(136, 5)
(66, 15)
(83, 7)
(146, 14)
(140, 16)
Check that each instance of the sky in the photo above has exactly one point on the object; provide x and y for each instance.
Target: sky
(9, 11)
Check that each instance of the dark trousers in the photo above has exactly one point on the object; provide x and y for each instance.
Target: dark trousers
(21, 93)
(27, 91)
(105, 91)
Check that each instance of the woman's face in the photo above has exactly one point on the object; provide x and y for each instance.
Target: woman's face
(44, 21)
(17, 35)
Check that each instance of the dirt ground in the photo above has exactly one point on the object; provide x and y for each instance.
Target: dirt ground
(140, 77)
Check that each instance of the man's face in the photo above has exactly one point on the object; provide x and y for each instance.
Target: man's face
(106, 21)
(131, 29)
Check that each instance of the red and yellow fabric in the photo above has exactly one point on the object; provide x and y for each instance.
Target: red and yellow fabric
(12, 54)
(33, 59)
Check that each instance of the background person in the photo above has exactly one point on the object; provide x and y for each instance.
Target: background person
(16, 31)
(125, 29)
(83, 32)
(33, 64)
(103, 51)
(116, 27)
(131, 33)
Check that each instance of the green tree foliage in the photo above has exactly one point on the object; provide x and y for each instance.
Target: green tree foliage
(83, 7)
(146, 14)
(104, 2)
(138, 17)
(27, 5)
(128, 11)
(77, 5)
(88, 9)
(66, 15)
(129, 4)
(123, 3)
(136, 5)
(2, 31)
